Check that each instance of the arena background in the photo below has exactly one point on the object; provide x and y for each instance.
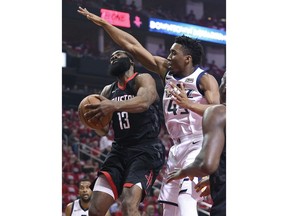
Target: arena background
(31, 65)
(86, 50)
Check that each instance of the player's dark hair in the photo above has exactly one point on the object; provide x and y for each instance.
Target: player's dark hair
(191, 47)
(85, 178)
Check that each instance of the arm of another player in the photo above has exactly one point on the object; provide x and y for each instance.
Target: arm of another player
(214, 125)
(207, 161)
(204, 186)
(68, 210)
(129, 43)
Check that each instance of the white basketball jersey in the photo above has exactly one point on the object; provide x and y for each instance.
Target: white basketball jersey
(181, 122)
(77, 210)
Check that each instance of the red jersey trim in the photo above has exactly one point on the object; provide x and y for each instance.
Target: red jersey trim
(128, 185)
(111, 183)
(130, 78)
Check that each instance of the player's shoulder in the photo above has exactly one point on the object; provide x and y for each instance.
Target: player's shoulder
(207, 77)
(107, 89)
(216, 108)
(68, 209)
(70, 204)
(215, 113)
(143, 75)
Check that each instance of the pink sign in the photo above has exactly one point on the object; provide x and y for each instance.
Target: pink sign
(116, 18)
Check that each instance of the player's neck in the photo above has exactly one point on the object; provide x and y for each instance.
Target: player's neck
(126, 77)
(192, 70)
(84, 205)
(188, 72)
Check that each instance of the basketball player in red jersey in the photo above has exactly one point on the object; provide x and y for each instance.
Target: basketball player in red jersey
(137, 155)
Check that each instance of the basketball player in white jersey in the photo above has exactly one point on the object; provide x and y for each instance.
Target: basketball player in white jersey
(79, 207)
(183, 111)
(212, 158)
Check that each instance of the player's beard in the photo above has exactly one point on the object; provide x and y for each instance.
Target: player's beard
(119, 67)
(86, 200)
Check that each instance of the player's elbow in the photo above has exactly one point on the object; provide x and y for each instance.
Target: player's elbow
(146, 103)
(209, 167)
(144, 106)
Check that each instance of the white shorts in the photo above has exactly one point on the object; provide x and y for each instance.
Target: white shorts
(182, 153)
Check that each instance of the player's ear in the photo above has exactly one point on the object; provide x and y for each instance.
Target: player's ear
(133, 65)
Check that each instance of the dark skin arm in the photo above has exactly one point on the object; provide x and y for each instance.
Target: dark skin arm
(146, 95)
(129, 43)
(207, 161)
(68, 209)
(211, 92)
(105, 94)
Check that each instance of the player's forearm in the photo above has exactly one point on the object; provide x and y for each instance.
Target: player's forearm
(122, 38)
(197, 168)
(102, 132)
(134, 105)
(198, 108)
(201, 166)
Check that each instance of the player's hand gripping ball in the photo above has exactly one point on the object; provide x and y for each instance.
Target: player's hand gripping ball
(104, 120)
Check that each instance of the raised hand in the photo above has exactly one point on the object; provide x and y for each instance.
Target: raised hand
(203, 186)
(90, 16)
(176, 174)
(179, 95)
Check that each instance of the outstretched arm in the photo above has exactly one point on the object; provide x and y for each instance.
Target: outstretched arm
(207, 161)
(129, 43)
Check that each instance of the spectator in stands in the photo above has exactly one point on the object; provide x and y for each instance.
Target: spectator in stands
(89, 166)
(132, 7)
(215, 71)
(73, 141)
(116, 208)
(190, 17)
(183, 106)
(106, 142)
(69, 189)
(212, 158)
(161, 51)
(150, 210)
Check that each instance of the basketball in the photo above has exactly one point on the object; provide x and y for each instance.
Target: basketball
(104, 120)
